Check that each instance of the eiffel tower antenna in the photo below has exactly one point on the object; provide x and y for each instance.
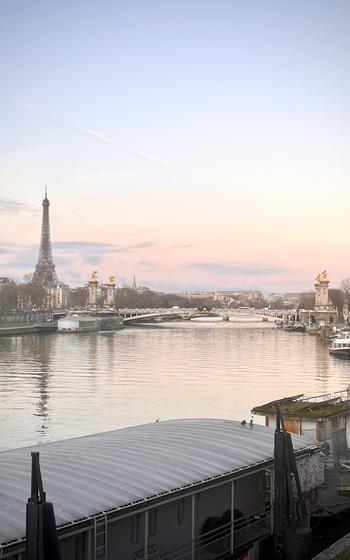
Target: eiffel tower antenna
(45, 270)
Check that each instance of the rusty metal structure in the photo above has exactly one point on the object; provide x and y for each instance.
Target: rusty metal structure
(45, 270)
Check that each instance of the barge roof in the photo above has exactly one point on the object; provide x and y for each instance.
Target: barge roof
(299, 407)
(115, 470)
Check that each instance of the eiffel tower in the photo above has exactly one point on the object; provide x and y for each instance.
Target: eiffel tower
(45, 270)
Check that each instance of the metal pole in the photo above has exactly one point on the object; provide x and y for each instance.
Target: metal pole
(193, 524)
(272, 496)
(146, 534)
(232, 537)
(89, 547)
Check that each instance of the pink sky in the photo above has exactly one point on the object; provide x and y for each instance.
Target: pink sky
(196, 147)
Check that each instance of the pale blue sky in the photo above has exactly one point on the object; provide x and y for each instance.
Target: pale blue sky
(234, 114)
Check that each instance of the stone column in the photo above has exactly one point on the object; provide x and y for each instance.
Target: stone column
(110, 291)
(92, 287)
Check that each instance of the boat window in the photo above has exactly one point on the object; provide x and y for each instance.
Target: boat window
(180, 511)
(79, 547)
(135, 528)
(152, 522)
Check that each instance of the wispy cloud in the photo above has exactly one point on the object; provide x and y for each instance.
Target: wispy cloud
(183, 246)
(92, 134)
(106, 176)
(99, 247)
(12, 206)
(93, 261)
(236, 268)
(148, 263)
(68, 255)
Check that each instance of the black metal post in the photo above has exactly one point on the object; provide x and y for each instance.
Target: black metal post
(41, 534)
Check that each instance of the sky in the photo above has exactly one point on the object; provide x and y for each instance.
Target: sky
(197, 145)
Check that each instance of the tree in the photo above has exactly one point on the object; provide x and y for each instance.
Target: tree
(8, 296)
(345, 287)
(337, 298)
(78, 297)
(307, 301)
(32, 296)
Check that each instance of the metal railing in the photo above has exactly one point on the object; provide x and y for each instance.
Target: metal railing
(220, 540)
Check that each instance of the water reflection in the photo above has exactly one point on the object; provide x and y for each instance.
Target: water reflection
(56, 386)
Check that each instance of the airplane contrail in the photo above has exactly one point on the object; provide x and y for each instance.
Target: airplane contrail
(92, 133)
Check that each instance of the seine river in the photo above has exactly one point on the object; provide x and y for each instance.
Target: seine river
(57, 386)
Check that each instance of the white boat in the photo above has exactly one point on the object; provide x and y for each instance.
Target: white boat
(340, 347)
(78, 324)
(206, 316)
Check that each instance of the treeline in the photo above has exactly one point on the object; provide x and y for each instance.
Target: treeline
(22, 296)
(128, 297)
(134, 299)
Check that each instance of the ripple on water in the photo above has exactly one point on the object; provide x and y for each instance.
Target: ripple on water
(56, 386)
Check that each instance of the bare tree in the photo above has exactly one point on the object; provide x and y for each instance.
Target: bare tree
(337, 298)
(345, 287)
(78, 297)
(307, 301)
(32, 296)
(8, 297)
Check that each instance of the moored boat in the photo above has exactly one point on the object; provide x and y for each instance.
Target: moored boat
(340, 347)
(298, 327)
(206, 316)
(78, 324)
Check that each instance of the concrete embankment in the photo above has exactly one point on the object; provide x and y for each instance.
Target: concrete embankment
(338, 551)
(19, 330)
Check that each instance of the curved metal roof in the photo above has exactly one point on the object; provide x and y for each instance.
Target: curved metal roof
(88, 475)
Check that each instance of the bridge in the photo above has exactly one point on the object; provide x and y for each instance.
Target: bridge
(134, 316)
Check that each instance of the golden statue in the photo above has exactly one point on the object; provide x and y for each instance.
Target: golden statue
(111, 280)
(94, 276)
(322, 277)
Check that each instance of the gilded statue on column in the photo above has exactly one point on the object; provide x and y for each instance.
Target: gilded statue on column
(322, 277)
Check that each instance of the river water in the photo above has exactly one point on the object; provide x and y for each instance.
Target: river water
(55, 386)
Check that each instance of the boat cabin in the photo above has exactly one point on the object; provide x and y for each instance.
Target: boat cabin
(179, 489)
(78, 324)
(315, 417)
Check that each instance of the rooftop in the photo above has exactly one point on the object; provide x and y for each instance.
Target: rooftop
(321, 406)
(116, 470)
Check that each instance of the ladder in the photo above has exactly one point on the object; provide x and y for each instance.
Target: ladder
(100, 527)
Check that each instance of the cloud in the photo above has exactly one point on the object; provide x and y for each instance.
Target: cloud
(148, 263)
(93, 261)
(93, 134)
(136, 247)
(243, 269)
(98, 248)
(11, 206)
(106, 176)
(67, 255)
(184, 246)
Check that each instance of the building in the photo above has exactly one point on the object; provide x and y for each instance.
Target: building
(240, 296)
(287, 298)
(4, 282)
(196, 488)
(58, 296)
(197, 295)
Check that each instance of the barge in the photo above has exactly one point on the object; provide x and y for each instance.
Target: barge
(179, 489)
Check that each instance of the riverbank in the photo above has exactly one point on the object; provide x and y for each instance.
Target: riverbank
(19, 330)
